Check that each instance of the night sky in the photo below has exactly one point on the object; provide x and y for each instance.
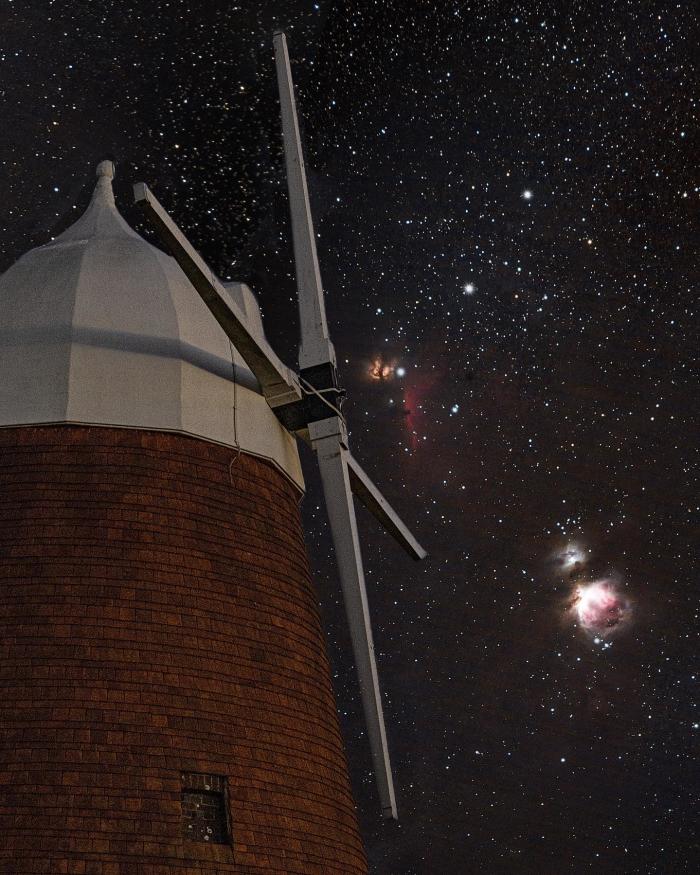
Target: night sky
(506, 200)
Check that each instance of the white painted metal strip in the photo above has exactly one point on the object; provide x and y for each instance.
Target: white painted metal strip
(316, 347)
(332, 460)
(278, 383)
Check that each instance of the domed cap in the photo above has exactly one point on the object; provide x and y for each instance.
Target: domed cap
(101, 219)
(100, 327)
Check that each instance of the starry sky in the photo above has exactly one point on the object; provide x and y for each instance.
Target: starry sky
(506, 201)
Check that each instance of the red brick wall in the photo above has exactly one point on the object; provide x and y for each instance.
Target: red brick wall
(157, 617)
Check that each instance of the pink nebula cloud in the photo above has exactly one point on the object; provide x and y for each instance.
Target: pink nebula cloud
(600, 607)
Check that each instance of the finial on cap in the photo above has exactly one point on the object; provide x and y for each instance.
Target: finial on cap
(105, 169)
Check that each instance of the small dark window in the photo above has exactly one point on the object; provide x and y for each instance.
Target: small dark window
(204, 809)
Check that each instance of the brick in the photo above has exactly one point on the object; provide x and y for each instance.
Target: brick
(158, 618)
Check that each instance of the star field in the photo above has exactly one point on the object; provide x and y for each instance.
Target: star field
(506, 200)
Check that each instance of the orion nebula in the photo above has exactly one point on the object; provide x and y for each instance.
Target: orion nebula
(600, 607)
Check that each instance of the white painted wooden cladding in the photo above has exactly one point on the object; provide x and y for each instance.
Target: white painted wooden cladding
(99, 327)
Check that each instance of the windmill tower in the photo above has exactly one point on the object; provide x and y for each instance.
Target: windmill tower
(166, 696)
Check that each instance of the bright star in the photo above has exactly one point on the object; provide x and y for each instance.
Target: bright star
(527, 194)
(469, 288)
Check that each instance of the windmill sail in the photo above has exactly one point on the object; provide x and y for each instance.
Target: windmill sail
(278, 383)
(308, 404)
(332, 462)
(316, 347)
(328, 433)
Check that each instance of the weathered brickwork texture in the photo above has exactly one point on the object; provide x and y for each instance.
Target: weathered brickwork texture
(157, 618)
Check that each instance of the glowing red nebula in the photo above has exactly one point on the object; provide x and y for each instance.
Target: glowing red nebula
(415, 397)
(600, 607)
(381, 370)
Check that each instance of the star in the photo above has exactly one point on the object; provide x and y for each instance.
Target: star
(556, 364)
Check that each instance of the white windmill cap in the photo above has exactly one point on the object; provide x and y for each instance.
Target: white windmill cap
(100, 327)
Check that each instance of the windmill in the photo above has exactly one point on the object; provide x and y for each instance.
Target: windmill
(308, 404)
